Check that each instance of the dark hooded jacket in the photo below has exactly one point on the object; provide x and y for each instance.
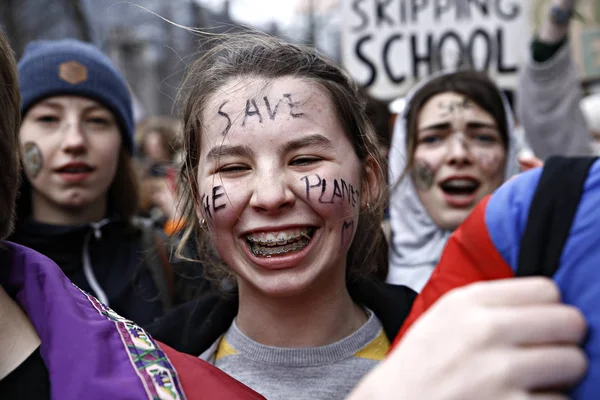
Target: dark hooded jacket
(193, 327)
(119, 264)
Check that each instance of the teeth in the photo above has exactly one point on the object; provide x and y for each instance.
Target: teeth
(269, 251)
(279, 238)
(461, 183)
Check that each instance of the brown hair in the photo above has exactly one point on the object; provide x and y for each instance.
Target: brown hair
(123, 193)
(167, 128)
(259, 56)
(10, 104)
(474, 85)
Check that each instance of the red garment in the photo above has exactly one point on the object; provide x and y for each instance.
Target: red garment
(470, 256)
(201, 380)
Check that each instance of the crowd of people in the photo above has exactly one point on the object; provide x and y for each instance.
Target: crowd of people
(256, 244)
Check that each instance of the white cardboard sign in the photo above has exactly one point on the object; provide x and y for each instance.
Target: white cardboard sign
(389, 45)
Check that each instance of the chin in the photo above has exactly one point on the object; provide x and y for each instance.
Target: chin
(452, 219)
(280, 287)
(77, 202)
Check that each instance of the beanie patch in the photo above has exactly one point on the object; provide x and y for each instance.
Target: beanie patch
(72, 72)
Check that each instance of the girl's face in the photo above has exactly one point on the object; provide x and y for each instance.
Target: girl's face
(459, 157)
(280, 185)
(70, 148)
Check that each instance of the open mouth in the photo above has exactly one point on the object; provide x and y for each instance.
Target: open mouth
(462, 186)
(269, 244)
(79, 169)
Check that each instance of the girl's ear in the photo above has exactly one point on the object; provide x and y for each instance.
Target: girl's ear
(371, 189)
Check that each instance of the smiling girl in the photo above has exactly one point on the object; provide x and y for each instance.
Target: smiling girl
(285, 191)
(452, 146)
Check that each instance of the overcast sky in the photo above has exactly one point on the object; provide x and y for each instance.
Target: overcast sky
(257, 12)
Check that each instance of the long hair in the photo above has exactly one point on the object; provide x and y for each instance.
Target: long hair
(10, 104)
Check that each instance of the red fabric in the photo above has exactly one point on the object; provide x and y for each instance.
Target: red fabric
(469, 256)
(201, 380)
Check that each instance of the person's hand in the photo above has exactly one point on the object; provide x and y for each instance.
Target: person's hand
(506, 339)
(551, 32)
(529, 162)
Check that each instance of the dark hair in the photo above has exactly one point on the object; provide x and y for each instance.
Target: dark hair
(380, 116)
(474, 85)
(254, 55)
(10, 104)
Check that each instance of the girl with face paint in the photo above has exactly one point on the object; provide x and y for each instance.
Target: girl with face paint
(79, 194)
(452, 146)
(285, 199)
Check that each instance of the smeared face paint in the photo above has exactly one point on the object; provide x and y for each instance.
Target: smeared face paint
(32, 159)
(459, 157)
(280, 186)
(422, 175)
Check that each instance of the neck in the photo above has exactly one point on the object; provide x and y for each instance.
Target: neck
(49, 212)
(314, 318)
(18, 337)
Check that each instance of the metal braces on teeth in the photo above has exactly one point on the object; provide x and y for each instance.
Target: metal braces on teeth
(303, 234)
(260, 252)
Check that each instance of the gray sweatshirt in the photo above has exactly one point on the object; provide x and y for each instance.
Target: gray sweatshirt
(548, 107)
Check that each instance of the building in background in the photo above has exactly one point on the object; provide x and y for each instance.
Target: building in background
(151, 52)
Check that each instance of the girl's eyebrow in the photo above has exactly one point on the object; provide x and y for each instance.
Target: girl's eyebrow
(447, 125)
(221, 151)
(435, 127)
(476, 125)
(311, 140)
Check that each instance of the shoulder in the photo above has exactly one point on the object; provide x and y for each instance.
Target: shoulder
(201, 380)
(194, 326)
(391, 304)
(507, 211)
(509, 208)
(15, 254)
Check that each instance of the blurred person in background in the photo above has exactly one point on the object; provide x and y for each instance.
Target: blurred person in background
(452, 145)
(56, 342)
(158, 140)
(549, 97)
(79, 194)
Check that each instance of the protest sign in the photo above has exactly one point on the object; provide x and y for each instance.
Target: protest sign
(388, 45)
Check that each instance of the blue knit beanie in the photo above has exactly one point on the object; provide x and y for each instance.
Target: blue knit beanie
(70, 67)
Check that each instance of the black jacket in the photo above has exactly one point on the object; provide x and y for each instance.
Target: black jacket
(127, 272)
(193, 327)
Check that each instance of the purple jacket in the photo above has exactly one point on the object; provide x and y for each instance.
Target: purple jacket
(90, 351)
